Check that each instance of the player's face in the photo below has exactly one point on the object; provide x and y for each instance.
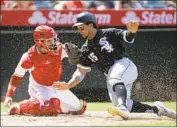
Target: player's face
(43, 50)
(50, 44)
(84, 30)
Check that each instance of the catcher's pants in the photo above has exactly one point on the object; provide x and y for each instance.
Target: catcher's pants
(123, 70)
(68, 101)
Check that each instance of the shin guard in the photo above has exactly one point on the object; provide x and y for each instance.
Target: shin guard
(121, 93)
(34, 108)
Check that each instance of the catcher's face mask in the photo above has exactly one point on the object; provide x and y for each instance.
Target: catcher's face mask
(51, 43)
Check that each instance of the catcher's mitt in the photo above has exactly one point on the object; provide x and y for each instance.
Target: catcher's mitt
(73, 53)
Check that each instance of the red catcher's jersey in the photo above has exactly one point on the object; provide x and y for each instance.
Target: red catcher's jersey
(46, 69)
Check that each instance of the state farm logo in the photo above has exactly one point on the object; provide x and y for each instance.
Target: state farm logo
(150, 17)
(103, 18)
(68, 18)
(37, 18)
(130, 16)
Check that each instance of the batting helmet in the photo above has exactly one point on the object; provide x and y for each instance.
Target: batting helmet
(85, 18)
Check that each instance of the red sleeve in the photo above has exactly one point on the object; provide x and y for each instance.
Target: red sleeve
(15, 80)
(24, 64)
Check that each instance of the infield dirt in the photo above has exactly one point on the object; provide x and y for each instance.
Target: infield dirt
(90, 118)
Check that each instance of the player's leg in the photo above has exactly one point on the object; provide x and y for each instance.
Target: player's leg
(42, 102)
(164, 111)
(127, 78)
(120, 78)
(49, 103)
(157, 108)
(70, 103)
(34, 108)
(120, 74)
(137, 107)
(40, 92)
(25, 107)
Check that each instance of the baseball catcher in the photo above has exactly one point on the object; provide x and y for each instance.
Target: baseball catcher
(44, 63)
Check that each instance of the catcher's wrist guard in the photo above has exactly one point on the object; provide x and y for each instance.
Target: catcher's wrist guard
(9, 93)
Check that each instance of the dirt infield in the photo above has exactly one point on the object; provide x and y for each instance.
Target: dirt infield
(91, 118)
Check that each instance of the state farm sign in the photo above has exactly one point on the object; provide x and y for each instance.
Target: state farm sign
(162, 18)
(105, 18)
(58, 18)
(150, 17)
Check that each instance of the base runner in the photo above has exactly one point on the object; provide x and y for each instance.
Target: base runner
(105, 49)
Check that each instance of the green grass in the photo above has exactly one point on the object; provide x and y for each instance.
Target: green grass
(96, 106)
(102, 106)
(170, 123)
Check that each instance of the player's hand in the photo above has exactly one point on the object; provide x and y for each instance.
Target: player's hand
(132, 26)
(61, 85)
(8, 102)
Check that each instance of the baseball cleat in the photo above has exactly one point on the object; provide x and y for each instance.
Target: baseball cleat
(119, 111)
(164, 111)
(82, 109)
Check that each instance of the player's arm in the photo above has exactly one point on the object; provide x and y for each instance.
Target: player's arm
(77, 77)
(129, 37)
(129, 34)
(83, 63)
(83, 67)
(16, 78)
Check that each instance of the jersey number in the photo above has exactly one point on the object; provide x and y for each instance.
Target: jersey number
(105, 45)
(93, 57)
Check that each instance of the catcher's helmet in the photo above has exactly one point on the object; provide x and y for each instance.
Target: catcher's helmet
(85, 18)
(45, 36)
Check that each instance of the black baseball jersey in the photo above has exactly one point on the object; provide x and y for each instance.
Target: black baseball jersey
(104, 49)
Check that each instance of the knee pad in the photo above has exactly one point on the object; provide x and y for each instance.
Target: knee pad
(51, 107)
(119, 86)
(121, 93)
(113, 81)
(29, 107)
(55, 105)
